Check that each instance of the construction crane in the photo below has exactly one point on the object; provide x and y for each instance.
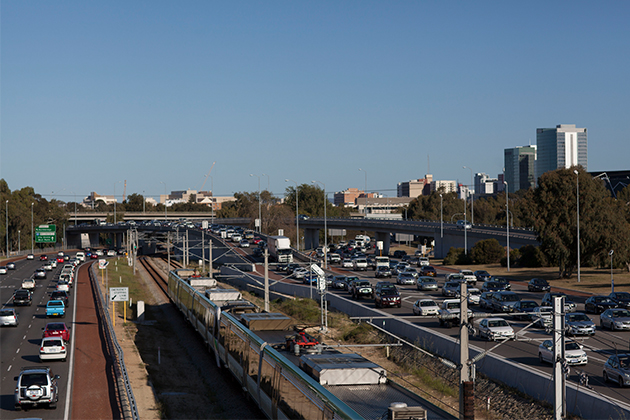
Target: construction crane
(204, 181)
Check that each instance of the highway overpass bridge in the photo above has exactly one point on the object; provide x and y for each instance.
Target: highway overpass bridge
(172, 216)
(446, 235)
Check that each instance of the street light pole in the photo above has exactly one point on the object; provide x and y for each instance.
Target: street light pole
(575, 171)
(212, 187)
(325, 247)
(612, 281)
(32, 231)
(465, 230)
(472, 198)
(6, 213)
(297, 218)
(165, 201)
(365, 208)
(259, 213)
(144, 202)
(115, 200)
(507, 224)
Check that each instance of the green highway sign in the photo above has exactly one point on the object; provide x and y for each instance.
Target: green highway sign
(46, 234)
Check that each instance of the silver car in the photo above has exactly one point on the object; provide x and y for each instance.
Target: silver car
(8, 317)
(495, 329)
(426, 283)
(615, 319)
(573, 353)
(425, 307)
(617, 368)
(579, 324)
(406, 278)
(542, 316)
(450, 288)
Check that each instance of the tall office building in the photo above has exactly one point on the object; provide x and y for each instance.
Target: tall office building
(560, 147)
(520, 164)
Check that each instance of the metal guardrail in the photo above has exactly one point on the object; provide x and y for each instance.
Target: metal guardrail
(127, 400)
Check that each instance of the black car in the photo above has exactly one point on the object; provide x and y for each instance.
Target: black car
(11, 265)
(598, 304)
(493, 286)
(538, 285)
(399, 253)
(622, 299)
(22, 297)
(482, 275)
(504, 281)
(524, 308)
(547, 300)
(60, 295)
(383, 271)
(386, 294)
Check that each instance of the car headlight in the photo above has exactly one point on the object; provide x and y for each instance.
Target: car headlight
(618, 324)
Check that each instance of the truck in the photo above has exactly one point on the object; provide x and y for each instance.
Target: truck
(280, 249)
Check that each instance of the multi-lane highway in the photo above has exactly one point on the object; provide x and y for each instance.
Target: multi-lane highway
(20, 345)
(523, 350)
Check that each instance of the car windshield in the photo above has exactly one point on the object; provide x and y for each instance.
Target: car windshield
(528, 305)
(498, 323)
(572, 346)
(603, 299)
(620, 313)
(577, 317)
(6, 312)
(363, 283)
(452, 305)
(427, 303)
(55, 303)
(510, 298)
(55, 327)
(623, 295)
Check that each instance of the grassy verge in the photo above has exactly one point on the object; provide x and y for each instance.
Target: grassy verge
(119, 274)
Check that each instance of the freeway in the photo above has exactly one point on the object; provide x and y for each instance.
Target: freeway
(523, 351)
(20, 345)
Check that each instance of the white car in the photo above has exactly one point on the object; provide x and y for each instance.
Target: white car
(573, 353)
(47, 266)
(28, 284)
(52, 348)
(3, 270)
(30, 257)
(53, 263)
(300, 272)
(425, 307)
(244, 243)
(111, 253)
(423, 261)
(468, 276)
(347, 263)
(495, 329)
(99, 252)
(542, 316)
(474, 296)
(63, 286)
(80, 256)
(236, 237)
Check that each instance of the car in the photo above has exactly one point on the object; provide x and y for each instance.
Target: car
(333, 257)
(425, 307)
(111, 253)
(43, 257)
(468, 276)
(236, 238)
(542, 316)
(386, 294)
(80, 256)
(310, 278)
(23, 297)
(598, 304)
(300, 273)
(3, 269)
(350, 281)
(463, 224)
(60, 295)
(55, 308)
(482, 275)
(399, 267)
(53, 263)
(57, 329)
(474, 296)
(9, 317)
(455, 277)
(63, 285)
(28, 284)
(93, 256)
(524, 308)
(347, 263)
(423, 262)
(449, 312)
(503, 281)
(382, 271)
(547, 300)
(36, 386)
(495, 329)
(30, 257)
(60, 259)
(573, 353)
(399, 253)
(426, 283)
(578, 323)
(405, 278)
(617, 368)
(538, 285)
(360, 264)
(244, 243)
(339, 282)
(485, 300)
(47, 266)
(449, 288)
(11, 265)
(40, 273)
(52, 348)
(428, 270)
(615, 319)
(622, 299)
(504, 301)
(361, 288)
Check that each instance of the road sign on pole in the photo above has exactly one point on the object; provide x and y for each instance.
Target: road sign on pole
(119, 294)
(46, 234)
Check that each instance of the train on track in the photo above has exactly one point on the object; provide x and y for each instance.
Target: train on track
(280, 388)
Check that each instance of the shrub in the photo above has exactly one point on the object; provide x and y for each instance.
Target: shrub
(488, 251)
(515, 256)
(457, 256)
(532, 256)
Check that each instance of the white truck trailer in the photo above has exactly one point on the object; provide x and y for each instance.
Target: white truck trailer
(280, 249)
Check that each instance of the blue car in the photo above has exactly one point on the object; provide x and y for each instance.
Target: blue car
(55, 308)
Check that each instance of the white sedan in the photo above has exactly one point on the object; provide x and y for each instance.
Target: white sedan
(425, 307)
(52, 348)
(3, 270)
(573, 353)
(495, 329)
(63, 286)
(347, 263)
(244, 243)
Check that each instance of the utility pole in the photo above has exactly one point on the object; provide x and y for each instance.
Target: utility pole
(559, 377)
(203, 252)
(266, 255)
(168, 250)
(466, 389)
(210, 257)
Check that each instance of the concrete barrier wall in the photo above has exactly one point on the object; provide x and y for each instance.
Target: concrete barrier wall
(580, 401)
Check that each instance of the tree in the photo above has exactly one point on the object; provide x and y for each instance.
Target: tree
(135, 202)
(488, 251)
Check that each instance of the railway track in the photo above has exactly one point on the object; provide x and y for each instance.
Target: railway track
(160, 279)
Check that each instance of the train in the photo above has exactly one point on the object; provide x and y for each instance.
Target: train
(278, 386)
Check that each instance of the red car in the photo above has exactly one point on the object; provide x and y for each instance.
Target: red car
(60, 259)
(257, 241)
(94, 256)
(57, 329)
(43, 257)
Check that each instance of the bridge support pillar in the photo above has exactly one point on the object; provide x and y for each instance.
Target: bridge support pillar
(311, 238)
(385, 238)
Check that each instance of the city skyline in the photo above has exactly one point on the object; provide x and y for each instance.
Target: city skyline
(298, 91)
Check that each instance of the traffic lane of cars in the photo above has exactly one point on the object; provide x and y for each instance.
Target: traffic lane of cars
(525, 350)
(21, 345)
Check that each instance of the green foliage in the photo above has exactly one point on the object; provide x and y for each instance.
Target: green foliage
(532, 256)
(457, 256)
(488, 251)
(304, 310)
(515, 255)
(360, 333)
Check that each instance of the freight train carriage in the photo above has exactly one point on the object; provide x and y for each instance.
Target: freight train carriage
(281, 389)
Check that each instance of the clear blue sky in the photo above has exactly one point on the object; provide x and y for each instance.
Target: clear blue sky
(97, 92)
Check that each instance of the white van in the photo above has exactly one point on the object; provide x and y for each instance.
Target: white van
(80, 256)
